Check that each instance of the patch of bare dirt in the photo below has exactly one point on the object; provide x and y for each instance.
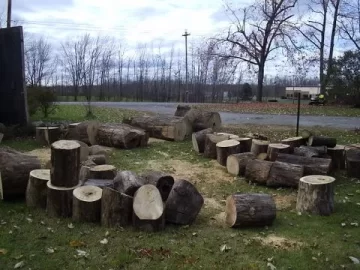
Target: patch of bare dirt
(43, 154)
(279, 242)
(284, 201)
(212, 204)
(218, 220)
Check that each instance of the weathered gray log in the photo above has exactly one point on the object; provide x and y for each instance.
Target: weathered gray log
(87, 204)
(236, 163)
(181, 110)
(258, 147)
(337, 155)
(73, 134)
(322, 141)
(163, 181)
(316, 195)
(256, 136)
(98, 159)
(36, 191)
(284, 175)
(294, 142)
(225, 149)
(84, 150)
(84, 172)
(210, 144)
(103, 172)
(258, 171)
(275, 148)
(128, 182)
(311, 151)
(198, 139)
(245, 143)
(200, 119)
(101, 183)
(100, 150)
(353, 162)
(86, 131)
(47, 135)
(250, 210)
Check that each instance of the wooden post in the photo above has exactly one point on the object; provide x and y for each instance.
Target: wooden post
(9, 13)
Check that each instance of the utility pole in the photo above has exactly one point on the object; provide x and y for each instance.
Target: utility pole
(9, 14)
(186, 34)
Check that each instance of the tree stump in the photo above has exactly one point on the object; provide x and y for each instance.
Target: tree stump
(98, 159)
(36, 192)
(59, 200)
(47, 135)
(225, 149)
(101, 183)
(183, 204)
(203, 119)
(294, 142)
(322, 141)
(103, 172)
(148, 209)
(259, 146)
(164, 182)
(337, 155)
(72, 133)
(87, 204)
(87, 131)
(258, 171)
(65, 163)
(310, 151)
(250, 210)
(236, 163)
(116, 208)
(284, 175)
(316, 195)
(210, 144)
(275, 148)
(127, 182)
(245, 144)
(198, 139)
(353, 162)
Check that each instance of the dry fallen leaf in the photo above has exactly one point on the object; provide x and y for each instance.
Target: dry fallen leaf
(354, 260)
(271, 266)
(104, 241)
(50, 250)
(19, 265)
(224, 248)
(3, 251)
(82, 253)
(76, 243)
(71, 226)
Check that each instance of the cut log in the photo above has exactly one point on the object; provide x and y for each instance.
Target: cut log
(1, 137)
(88, 163)
(98, 159)
(128, 182)
(59, 200)
(87, 204)
(101, 183)
(310, 151)
(15, 168)
(200, 120)
(170, 128)
(103, 172)
(72, 132)
(259, 146)
(47, 135)
(258, 171)
(36, 192)
(116, 208)
(353, 162)
(181, 110)
(1, 189)
(275, 148)
(250, 210)
(210, 144)
(312, 166)
(236, 163)
(284, 175)
(294, 142)
(256, 136)
(65, 163)
(148, 209)
(183, 204)
(198, 139)
(322, 141)
(245, 144)
(316, 195)
(100, 150)
(225, 149)
(121, 136)
(164, 182)
(87, 131)
(84, 151)
(337, 155)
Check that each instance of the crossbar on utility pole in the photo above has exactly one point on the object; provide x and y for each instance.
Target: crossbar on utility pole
(9, 14)
(186, 34)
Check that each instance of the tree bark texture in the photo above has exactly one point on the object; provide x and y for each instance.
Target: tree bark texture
(284, 175)
(87, 204)
(210, 144)
(258, 171)
(198, 139)
(36, 191)
(236, 163)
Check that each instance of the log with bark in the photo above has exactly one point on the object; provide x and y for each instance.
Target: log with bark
(258, 171)
(311, 151)
(200, 119)
(84, 172)
(65, 163)
(87, 204)
(36, 191)
(183, 204)
(294, 142)
(258, 147)
(198, 139)
(353, 162)
(316, 195)
(322, 141)
(101, 183)
(256, 136)
(100, 150)
(337, 155)
(116, 208)
(128, 182)
(245, 144)
(163, 181)
(225, 149)
(103, 172)
(170, 128)
(72, 132)
(47, 135)
(181, 110)
(15, 168)
(250, 210)
(210, 144)
(86, 131)
(98, 159)
(236, 163)
(84, 150)
(275, 148)
(306, 134)
(1, 189)
(284, 175)
(148, 214)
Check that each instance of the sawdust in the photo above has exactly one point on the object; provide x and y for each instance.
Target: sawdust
(279, 242)
(284, 201)
(43, 154)
(211, 203)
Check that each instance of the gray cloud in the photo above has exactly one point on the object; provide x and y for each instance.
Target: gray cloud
(148, 12)
(35, 5)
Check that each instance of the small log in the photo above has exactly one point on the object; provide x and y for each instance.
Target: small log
(181, 110)
(65, 163)
(59, 200)
(294, 142)
(310, 151)
(275, 148)
(164, 182)
(236, 163)
(306, 134)
(225, 149)
(87, 204)
(210, 144)
(87, 131)
(98, 159)
(116, 208)
(103, 172)
(200, 120)
(84, 172)
(353, 162)
(250, 210)
(322, 141)
(284, 175)
(183, 204)
(36, 192)
(148, 209)
(316, 195)
(72, 132)
(258, 171)
(47, 135)
(84, 151)
(128, 182)
(198, 139)
(256, 136)
(245, 144)
(259, 146)
(100, 150)
(101, 183)
(337, 155)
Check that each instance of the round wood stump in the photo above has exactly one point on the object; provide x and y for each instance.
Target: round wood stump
(294, 142)
(47, 135)
(103, 172)
(353, 162)
(258, 147)
(210, 144)
(87, 204)
(275, 148)
(225, 149)
(245, 144)
(236, 163)
(36, 191)
(337, 155)
(164, 182)
(72, 133)
(198, 139)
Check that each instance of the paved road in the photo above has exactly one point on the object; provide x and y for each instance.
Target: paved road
(241, 118)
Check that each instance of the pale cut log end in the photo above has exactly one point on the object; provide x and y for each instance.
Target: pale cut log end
(92, 130)
(194, 143)
(230, 211)
(88, 193)
(262, 156)
(65, 145)
(317, 179)
(148, 204)
(41, 174)
(232, 165)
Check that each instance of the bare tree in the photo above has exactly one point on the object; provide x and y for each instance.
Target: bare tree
(349, 22)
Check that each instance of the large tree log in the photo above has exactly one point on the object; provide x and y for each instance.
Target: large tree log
(322, 141)
(15, 168)
(236, 163)
(202, 119)
(310, 151)
(258, 171)
(294, 142)
(86, 131)
(210, 144)
(65, 163)
(316, 195)
(225, 149)
(275, 148)
(36, 191)
(337, 155)
(47, 135)
(245, 144)
(183, 204)
(87, 204)
(284, 175)
(181, 110)
(258, 147)
(198, 139)
(148, 209)
(250, 210)
(103, 172)
(312, 166)
(128, 182)
(163, 127)
(116, 208)
(164, 182)
(101, 183)
(353, 162)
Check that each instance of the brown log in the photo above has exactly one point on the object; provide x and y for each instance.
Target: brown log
(322, 141)
(65, 163)
(245, 144)
(202, 119)
(258, 171)
(259, 146)
(310, 151)
(84, 172)
(87, 204)
(210, 144)
(148, 209)
(47, 135)
(316, 195)
(36, 191)
(100, 150)
(337, 155)
(84, 150)
(103, 172)
(87, 131)
(116, 208)
(72, 133)
(183, 204)
(353, 162)
(275, 148)
(163, 181)
(294, 142)
(225, 149)
(284, 175)
(250, 210)
(101, 183)
(98, 159)
(181, 110)
(198, 139)
(256, 136)
(236, 163)
(128, 182)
